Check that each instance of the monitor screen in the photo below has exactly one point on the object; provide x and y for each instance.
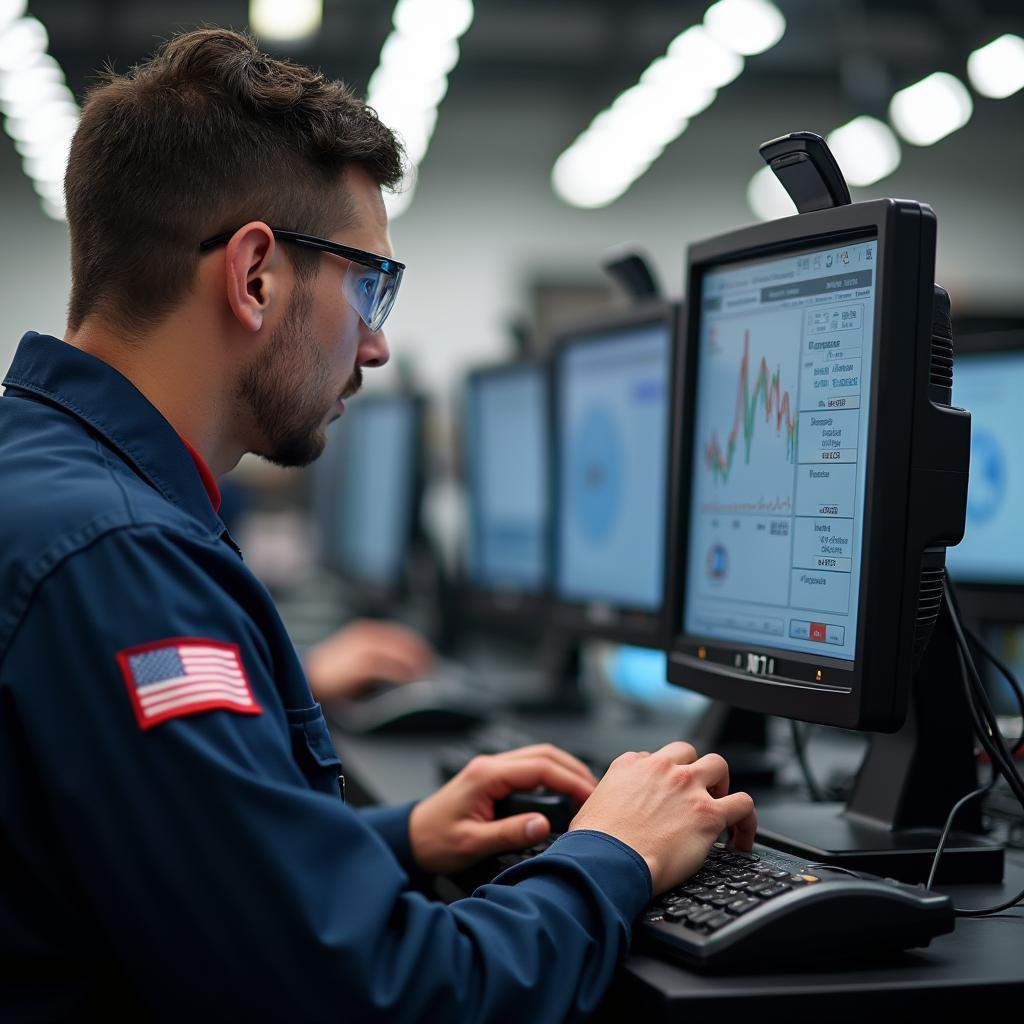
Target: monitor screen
(507, 444)
(612, 454)
(989, 385)
(373, 514)
(779, 450)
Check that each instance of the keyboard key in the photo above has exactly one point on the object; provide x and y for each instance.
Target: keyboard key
(698, 917)
(716, 921)
(774, 890)
(676, 913)
(742, 906)
(758, 887)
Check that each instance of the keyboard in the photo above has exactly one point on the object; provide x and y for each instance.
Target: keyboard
(767, 907)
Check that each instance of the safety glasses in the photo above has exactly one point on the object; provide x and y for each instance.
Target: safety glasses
(371, 281)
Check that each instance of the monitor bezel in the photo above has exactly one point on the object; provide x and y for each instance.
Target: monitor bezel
(870, 692)
(640, 627)
(374, 596)
(989, 601)
(508, 609)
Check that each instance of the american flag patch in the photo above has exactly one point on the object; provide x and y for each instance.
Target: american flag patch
(183, 676)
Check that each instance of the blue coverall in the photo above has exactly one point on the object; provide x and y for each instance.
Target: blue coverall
(202, 863)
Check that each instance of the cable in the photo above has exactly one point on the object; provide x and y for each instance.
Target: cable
(989, 735)
(817, 796)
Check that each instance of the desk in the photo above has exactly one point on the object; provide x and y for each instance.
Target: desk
(979, 966)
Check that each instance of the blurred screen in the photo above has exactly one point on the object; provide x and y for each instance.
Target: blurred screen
(507, 440)
(989, 385)
(612, 457)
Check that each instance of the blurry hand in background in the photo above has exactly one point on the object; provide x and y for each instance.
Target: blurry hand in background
(364, 652)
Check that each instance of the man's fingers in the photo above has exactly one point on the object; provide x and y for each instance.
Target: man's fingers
(741, 819)
(515, 833)
(501, 775)
(677, 752)
(713, 771)
(559, 756)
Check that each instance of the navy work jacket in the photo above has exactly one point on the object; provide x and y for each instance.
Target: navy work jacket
(172, 840)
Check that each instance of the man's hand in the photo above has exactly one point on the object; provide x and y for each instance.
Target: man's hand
(670, 807)
(363, 652)
(455, 827)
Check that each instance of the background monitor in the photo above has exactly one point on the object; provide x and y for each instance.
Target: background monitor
(611, 395)
(368, 491)
(989, 563)
(506, 446)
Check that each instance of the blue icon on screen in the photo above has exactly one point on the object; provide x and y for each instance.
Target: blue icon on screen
(596, 461)
(718, 562)
(987, 486)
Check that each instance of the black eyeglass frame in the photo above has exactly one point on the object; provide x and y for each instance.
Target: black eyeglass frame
(360, 256)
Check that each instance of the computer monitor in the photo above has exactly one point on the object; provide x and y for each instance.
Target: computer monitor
(611, 398)
(506, 444)
(820, 473)
(988, 565)
(367, 495)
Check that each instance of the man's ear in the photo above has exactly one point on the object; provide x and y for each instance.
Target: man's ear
(250, 271)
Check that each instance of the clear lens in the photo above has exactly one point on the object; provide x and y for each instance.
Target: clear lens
(371, 293)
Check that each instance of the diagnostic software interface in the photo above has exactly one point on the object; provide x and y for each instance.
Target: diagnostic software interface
(990, 385)
(779, 450)
(507, 438)
(376, 506)
(612, 454)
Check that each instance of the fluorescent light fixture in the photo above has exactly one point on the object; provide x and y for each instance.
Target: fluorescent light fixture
(624, 140)
(10, 10)
(40, 112)
(931, 109)
(442, 19)
(766, 196)
(866, 150)
(22, 43)
(411, 78)
(711, 64)
(285, 21)
(746, 27)
(997, 69)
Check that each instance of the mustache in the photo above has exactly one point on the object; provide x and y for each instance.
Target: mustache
(355, 382)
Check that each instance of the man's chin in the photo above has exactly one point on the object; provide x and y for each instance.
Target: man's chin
(297, 452)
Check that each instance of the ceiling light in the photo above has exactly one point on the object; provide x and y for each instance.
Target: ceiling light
(10, 10)
(866, 150)
(285, 21)
(710, 62)
(745, 26)
(445, 19)
(997, 70)
(931, 109)
(22, 44)
(766, 196)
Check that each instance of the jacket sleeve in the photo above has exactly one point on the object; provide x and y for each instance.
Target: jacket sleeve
(223, 879)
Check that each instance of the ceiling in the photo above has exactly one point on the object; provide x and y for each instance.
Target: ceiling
(579, 49)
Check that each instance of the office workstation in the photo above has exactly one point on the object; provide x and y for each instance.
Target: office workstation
(653, 648)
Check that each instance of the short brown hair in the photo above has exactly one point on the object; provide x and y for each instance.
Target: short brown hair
(207, 135)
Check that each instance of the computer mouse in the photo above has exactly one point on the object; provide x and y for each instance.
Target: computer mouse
(558, 808)
(422, 706)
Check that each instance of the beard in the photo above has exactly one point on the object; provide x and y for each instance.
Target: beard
(284, 389)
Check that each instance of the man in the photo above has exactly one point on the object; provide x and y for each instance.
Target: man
(172, 837)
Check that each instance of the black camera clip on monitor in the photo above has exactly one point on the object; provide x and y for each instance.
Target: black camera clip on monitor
(806, 557)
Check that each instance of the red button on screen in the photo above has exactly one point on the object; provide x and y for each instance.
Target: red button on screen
(818, 631)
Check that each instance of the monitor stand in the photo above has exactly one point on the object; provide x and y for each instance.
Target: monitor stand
(741, 737)
(905, 789)
(560, 665)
